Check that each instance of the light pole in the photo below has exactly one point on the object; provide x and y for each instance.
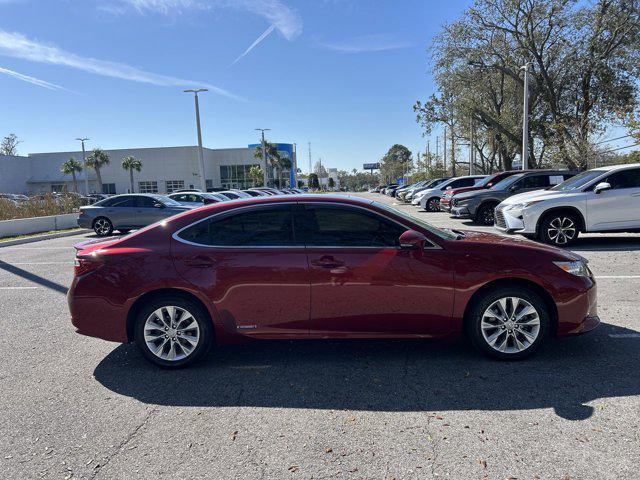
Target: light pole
(84, 160)
(203, 181)
(525, 118)
(264, 155)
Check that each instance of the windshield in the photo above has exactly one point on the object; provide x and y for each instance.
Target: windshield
(579, 181)
(445, 234)
(504, 183)
(483, 181)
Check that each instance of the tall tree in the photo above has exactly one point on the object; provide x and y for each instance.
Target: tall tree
(395, 163)
(72, 167)
(314, 183)
(97, 159)
(9, 145)
(273, 157)
(130, 164)
(256, 175)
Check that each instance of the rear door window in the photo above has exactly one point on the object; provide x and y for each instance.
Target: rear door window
(625, 179)
(270, 226)
(122, 202)
(145, 202)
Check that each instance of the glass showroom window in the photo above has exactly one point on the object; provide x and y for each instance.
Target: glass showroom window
(235, 176)
(148, 187)
(173, 185)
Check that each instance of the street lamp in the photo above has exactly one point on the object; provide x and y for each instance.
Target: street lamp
(203, 182)
(264, 155)
(525, 118)
(84, 159)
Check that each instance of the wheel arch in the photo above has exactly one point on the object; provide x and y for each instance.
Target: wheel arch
(159, 293)
(563, 208)
(515, 282)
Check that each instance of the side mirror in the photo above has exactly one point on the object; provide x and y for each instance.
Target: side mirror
(412, 240)
(601, 187)
(158, 205)
(512, 188)
(448, 187)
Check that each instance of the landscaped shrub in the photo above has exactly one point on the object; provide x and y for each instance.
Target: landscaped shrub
(39, 206)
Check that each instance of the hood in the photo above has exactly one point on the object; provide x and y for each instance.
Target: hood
(456, 191)
(536, 195)
(477, 193)
(486, 239)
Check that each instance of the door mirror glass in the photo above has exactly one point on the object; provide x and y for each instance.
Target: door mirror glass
(412, 240)
(158, 205)
(601, 187)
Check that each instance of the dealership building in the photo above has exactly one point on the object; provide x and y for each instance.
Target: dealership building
(164, 169)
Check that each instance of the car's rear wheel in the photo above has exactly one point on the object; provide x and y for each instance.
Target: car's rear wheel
(560, 229)
(508, 323)
(433, 204)
(102, 226)
(485, 214)
(173, 332)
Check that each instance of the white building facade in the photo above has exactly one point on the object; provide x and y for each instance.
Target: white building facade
(164, 169)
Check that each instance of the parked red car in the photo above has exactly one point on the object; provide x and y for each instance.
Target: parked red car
(487, 182)
(309, 266)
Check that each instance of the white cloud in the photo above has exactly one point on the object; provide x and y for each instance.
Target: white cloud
(367, 43)
(30, 79)
(280, 17)
(18, 46)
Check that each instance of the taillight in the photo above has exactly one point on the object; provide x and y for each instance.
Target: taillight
(84, 265)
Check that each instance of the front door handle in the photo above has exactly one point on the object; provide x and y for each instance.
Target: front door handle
(327, 261)
(200, 261)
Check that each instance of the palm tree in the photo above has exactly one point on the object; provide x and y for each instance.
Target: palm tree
(96, 160)
(255, 174)
(273, 157)
(71, 167)
(282, 164)
(131, 163)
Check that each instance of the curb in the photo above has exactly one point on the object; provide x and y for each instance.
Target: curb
(20, 241)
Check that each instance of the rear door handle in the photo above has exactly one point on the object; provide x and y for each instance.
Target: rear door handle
(200, 261)
(327, 262)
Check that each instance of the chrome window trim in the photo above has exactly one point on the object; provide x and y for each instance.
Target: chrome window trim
(175, 235)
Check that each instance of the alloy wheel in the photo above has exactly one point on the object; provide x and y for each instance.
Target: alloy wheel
(561, 230)
(510, 325)
(488, 216)
(171, 333)
(102, 226)
(433, 205)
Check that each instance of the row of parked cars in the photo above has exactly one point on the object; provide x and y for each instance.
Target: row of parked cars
(553, 206)
(133, 211)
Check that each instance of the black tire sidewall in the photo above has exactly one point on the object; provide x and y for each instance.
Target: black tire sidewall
(481, 213)
(546, 223)
(474, 319)
(204, 323)
(110, 227)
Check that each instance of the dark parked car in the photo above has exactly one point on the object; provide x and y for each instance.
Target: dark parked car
(487, 182)
(479, 205)
(127, 212)
(323, 266)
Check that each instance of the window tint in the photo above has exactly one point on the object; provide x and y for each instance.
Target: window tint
(179, 198)
(533, 181)
(121, 202)
(347, 227)
(145, 202)
(625, 179)
(261, 227)
(464, 182)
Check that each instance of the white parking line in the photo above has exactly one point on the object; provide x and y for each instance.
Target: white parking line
(624, 335)
(616, 276)
(37, 263)
(18, 288)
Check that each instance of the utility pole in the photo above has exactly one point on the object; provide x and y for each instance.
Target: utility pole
(444, 150)
(265, 176)
(525, 118)
(471, 151)
(203, 181)
(453, 153)
(84, 160)
(437, 154)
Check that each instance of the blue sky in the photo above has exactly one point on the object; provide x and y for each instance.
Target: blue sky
(341, 74)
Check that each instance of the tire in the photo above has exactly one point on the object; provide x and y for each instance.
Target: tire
(433, 204)
(192, 334)
(560, 229)
(102, 226)
(522, 337)
(485, 214)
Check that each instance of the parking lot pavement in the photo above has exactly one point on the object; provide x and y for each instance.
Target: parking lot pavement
(77, 407)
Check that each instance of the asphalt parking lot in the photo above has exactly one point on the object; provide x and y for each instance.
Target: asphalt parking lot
(78, 407)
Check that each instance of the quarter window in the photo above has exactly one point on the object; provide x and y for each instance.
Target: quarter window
(260, 227)
(625, 179)
(326, 226)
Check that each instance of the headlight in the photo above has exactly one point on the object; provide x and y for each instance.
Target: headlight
(578, 268)
(521, 206)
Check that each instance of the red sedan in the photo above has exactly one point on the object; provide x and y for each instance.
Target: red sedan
(305, 266)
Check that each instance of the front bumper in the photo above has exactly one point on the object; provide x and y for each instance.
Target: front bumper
(579, 314)
(445, 205)
(513, 221)
(460, 212)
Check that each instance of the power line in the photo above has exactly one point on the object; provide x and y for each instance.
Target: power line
(620, 148)
(612, 139)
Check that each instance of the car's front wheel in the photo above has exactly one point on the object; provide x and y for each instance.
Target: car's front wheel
(102, 226)
(485, 214)
(433, 205)
(173, 332)
(509, 323)
(559, 229)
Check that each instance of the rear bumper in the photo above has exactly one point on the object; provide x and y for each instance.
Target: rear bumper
(84, 222)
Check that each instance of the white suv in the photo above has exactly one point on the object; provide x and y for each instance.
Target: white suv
(605, 199)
